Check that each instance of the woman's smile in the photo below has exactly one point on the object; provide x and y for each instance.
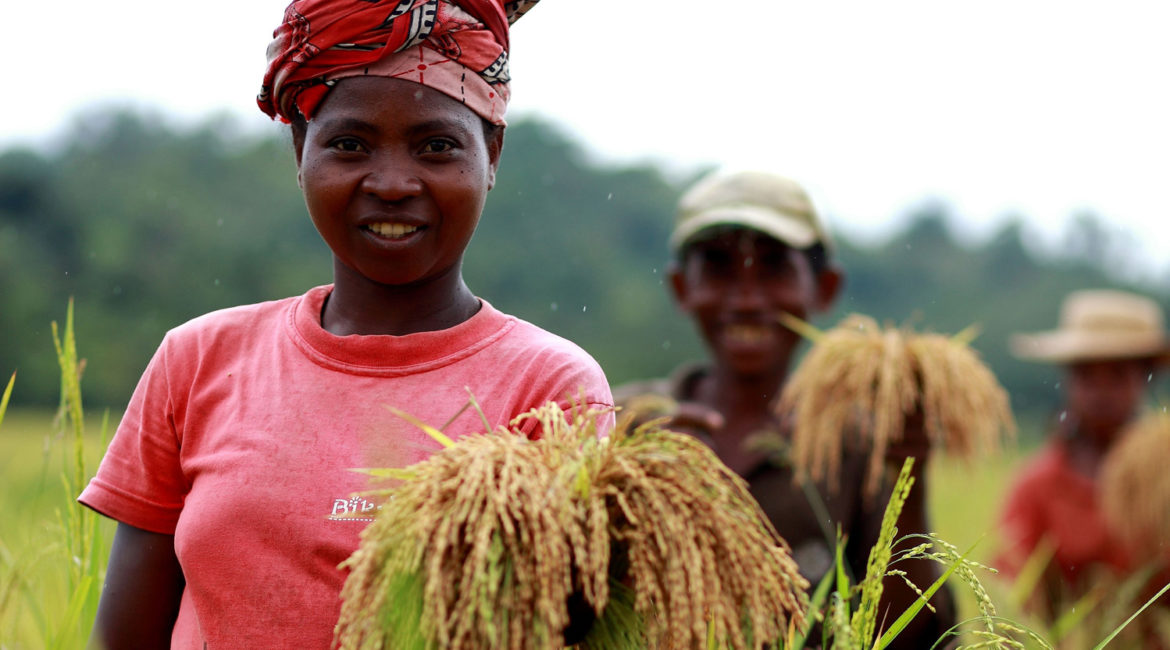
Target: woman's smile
(390, 230)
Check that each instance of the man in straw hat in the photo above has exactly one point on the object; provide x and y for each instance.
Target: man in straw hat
(746, 248)
(1109, 344)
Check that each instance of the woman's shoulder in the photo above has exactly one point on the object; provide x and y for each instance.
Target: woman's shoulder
(537, 340)
(238, 322)
(539, 354)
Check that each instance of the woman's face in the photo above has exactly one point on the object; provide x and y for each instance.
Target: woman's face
(395, 175)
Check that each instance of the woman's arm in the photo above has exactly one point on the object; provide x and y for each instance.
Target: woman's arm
(140, 599)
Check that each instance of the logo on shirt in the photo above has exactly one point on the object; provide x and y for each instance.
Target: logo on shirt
(354, 508)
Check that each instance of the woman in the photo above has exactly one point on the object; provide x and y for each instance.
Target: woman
(230, 474)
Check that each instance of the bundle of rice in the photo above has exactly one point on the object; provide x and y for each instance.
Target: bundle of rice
(861, 379)
(1135, 487)
(486, 543)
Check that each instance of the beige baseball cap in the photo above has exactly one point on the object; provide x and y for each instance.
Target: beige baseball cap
(772, 204)
(1099, 324)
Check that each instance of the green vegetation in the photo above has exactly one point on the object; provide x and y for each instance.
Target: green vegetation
(52, 550)
(148, 225)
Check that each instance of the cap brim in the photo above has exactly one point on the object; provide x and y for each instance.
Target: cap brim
(794, 232)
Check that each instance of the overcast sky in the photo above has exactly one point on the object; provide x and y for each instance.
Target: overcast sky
(997, 107)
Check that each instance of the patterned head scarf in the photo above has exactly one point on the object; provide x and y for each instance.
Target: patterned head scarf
(458, 47)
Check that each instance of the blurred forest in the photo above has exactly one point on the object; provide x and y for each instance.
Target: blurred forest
(146, 225)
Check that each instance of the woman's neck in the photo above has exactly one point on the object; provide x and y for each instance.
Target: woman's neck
(358, 306)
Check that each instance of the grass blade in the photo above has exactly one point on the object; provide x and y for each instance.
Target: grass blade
(434, 433)
(73, 613)
(401, 473)
(1129, 620)
(819, 596)
(1032, 572)
(7, 394)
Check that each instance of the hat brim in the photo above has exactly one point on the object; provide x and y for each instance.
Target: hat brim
(791, 231)
(1072, 347)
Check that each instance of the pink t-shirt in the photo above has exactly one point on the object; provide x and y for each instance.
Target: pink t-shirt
(241, 434)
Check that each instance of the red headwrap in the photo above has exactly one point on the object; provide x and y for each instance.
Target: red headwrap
(433, 42)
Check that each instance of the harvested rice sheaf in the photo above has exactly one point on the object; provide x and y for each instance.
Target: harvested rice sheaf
(482, 545)
(864, 380)
(1135, 487)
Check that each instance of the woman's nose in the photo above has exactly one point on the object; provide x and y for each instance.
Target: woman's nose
(390, 179)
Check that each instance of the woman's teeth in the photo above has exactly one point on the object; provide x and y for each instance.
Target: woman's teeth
(392, 230)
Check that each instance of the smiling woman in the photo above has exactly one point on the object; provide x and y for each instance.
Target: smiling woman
(240, 438)
(395, 177)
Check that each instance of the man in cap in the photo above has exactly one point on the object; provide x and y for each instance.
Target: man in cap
(748, 247)
(1109, 343)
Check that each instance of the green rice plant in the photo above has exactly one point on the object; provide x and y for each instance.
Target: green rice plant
(49, 593)
(82, 545)
(849, 612)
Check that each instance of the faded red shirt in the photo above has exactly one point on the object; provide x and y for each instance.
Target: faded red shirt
(240, 438)
(1052, 500)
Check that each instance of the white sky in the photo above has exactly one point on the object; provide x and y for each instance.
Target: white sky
(1036, 108)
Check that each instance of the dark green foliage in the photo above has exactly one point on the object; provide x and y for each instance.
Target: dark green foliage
(148, 225)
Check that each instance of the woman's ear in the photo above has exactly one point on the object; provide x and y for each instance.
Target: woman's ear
(495, 147)
(298, 130)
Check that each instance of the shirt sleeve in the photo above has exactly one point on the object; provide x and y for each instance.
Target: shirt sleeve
(572, 379)
(140, 481)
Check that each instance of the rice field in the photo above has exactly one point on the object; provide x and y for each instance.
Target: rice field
(52, 551)
(36, 564)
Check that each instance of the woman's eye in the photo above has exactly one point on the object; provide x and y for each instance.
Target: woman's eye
(438, 146)
(348, 145)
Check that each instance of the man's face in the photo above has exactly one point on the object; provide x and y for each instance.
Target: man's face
(1104, 395)
(735, 284)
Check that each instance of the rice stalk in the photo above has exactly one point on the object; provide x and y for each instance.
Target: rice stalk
(864, 620)
(83, 541)
(496, 532)
(859, 382)
(699, 547)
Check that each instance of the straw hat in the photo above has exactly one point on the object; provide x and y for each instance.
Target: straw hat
(1099, 324)
(774, 205)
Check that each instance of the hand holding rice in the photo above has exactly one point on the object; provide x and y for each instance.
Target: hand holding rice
(862, 378)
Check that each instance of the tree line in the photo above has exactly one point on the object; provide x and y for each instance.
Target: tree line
(146, 225)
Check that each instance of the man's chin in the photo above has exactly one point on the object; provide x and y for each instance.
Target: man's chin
(753, 367)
